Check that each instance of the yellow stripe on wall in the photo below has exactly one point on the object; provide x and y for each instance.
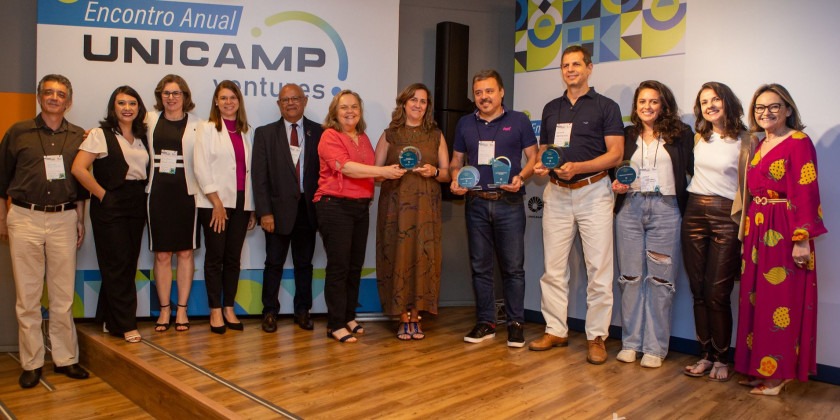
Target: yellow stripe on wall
(16, 107)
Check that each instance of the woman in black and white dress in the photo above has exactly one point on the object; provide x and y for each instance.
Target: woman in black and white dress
(173, 227)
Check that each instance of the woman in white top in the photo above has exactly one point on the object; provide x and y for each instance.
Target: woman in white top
(225, 200)
(120, 160)
(711, 249)
(648, 212)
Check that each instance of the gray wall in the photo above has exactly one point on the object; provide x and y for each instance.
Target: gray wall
(491, 46)
(17, 75)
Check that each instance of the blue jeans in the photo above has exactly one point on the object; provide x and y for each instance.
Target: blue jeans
(497, 226)
(647, 239)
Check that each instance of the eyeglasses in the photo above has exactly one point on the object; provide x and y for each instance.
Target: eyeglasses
(174, 94)
(291, 99)
(772, 108)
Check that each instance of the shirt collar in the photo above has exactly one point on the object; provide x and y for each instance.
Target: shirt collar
(590, 93)
(478, 117)
(42, 125)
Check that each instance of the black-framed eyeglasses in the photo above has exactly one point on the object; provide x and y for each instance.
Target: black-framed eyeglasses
(291, 99)
(174, 94)
(773, 108)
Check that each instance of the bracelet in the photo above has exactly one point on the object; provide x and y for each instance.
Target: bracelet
(437, 172)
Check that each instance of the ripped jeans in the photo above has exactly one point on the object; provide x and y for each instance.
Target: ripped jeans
(647, 237)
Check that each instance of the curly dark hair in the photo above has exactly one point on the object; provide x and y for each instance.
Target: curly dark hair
(668, 124)
(111, 122)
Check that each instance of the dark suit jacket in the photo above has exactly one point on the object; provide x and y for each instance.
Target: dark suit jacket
(681, 152)
(273, 174)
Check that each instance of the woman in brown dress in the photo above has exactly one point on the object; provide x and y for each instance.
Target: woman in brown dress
(408, 253)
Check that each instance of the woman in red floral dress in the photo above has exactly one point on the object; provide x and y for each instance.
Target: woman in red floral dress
(777, 318)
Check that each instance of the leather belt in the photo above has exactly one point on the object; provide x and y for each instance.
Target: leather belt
(488, 195)
(764, 200)
(346, 199)
(580, 183)
(47, 209)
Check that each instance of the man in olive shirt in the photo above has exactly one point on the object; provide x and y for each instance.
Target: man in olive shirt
(44, 226)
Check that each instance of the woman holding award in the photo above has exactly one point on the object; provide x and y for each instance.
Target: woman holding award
(711, 222)
(777, 317)
(658, 149)
(342, 203)
(408, 230)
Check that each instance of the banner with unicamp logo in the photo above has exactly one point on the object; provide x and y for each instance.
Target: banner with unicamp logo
(322, 45)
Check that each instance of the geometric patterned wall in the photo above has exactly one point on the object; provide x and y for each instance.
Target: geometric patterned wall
(612, 30)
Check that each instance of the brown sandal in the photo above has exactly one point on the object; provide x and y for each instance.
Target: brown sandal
(705, 363)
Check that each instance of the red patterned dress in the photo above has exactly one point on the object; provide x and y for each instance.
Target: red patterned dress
(777, 319)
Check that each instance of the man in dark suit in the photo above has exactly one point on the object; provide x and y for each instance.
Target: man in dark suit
(285, 176)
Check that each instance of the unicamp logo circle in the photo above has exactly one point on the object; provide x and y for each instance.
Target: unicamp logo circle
(535, 204)
(341, 50)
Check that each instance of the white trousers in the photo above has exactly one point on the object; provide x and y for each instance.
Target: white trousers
(43, 248)
(588, 210)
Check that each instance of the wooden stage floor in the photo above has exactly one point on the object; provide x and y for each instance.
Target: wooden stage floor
(297, 373)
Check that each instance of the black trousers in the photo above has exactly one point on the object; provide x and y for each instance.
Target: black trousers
(343, 224)
(223, 252)
(712, 257)
(302, 240)
(118, 224)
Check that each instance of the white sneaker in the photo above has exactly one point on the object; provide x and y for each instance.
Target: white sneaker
(626, 356)
(651, 361)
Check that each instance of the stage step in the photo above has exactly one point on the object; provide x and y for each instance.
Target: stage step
(58, 396)
(164, 383)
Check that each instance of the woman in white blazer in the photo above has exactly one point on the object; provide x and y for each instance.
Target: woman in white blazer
(225, 200)
(170, 204)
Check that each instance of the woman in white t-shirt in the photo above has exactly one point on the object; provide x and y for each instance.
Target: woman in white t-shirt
(710, 228)
(117, 152)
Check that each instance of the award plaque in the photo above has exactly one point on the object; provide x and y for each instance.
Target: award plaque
(552, 157)
(501, 171)
(468, 177)
(626, 172)
(409, 157)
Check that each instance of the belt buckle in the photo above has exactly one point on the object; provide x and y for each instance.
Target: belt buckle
(760, 200)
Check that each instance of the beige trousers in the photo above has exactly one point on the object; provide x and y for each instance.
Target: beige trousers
(43, 248)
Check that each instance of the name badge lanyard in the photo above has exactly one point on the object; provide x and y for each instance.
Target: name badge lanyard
(493, 138)
(41, 141)
(574, 110)
(647, 178)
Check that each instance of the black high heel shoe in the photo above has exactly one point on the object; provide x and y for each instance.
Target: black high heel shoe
(182, 326)
(236, 326)
(164, 327)
(218, 330)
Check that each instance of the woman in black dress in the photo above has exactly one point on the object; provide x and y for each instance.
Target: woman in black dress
(171, 203)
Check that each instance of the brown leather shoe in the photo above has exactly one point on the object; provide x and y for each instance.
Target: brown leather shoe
(269, 323)
(597, 354)
(547, 342)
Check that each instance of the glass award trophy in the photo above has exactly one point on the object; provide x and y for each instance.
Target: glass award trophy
(468, 178)
(552, 157)
(410, 157)
(501, 172)
(626, 172)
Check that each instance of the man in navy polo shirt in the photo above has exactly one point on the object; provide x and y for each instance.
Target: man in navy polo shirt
(587, 129)
(495, 212)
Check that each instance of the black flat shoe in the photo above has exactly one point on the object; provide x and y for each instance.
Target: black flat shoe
(218, 330)
(30, 378)
(344, 338)
(74, 371)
